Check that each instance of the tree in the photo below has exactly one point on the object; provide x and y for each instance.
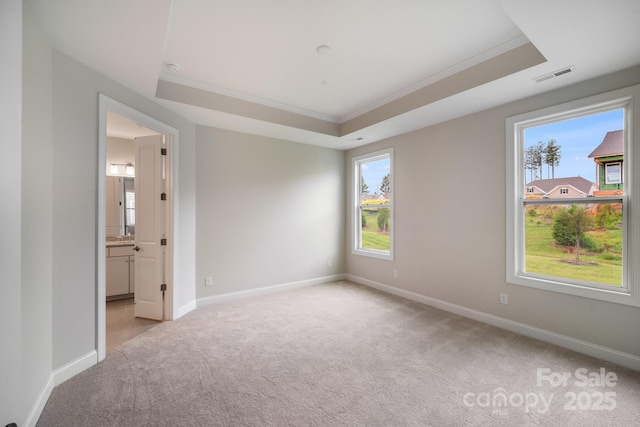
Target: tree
(385, 185)
(365, 187)
(552, 156)
(384, 216)
(534, 158)
(606, 216)
(539, 156)
(529, 162)
(570, 226)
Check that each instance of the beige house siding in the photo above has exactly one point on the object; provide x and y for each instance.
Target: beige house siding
(557, 193)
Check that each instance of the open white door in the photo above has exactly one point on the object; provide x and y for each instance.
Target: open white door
(149, 266)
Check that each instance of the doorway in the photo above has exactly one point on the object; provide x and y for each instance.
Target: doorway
(113, 114)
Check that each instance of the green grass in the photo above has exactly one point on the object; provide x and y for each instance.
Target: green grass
(371, 237)
(544, 257)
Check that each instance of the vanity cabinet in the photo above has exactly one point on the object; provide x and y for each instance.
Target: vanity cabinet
(120, 271)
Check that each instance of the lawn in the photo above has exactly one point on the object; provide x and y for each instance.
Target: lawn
(544, 256)
(371, 237)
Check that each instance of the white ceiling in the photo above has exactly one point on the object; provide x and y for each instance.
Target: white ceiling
(121, 127)
(393, 65)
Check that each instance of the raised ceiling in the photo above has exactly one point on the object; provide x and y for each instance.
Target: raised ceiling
(393, 65)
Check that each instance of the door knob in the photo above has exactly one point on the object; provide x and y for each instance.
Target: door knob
(136, 248)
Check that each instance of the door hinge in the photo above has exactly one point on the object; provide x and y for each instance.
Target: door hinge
(163, 151)
(163, 196)
(163, 287)
(163, 242)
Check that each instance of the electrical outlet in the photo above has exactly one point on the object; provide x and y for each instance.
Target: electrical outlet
(395, 274)
(329, 264)
(504, 298)
(208, 281)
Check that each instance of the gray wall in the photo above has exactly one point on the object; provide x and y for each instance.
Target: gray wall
(37, 217)
(75, 168)
(450, 232)
(10, 209)
(268, 211)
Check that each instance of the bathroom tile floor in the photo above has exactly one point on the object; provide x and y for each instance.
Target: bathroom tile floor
(122, 325)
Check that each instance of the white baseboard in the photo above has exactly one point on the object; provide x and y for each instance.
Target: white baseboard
(185, 309)
(74, 367)
(217, 299)
(605, 353)
(57, 377)
(36, 410)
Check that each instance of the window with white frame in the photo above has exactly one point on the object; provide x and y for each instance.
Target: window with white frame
(574, 245)
(564, 190)
(613, 173)
(373, 204)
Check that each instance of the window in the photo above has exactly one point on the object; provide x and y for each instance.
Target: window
(613, 173)
(579, 245)
(530, 190)
(129, 207)
(373, 205)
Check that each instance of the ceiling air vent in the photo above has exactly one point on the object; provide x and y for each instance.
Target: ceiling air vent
(558, 73)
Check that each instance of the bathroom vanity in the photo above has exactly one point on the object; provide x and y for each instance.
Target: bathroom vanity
(120, 265)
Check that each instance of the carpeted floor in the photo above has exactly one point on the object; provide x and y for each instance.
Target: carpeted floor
(341, 354)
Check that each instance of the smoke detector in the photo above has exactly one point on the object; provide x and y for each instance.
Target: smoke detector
(170, 66)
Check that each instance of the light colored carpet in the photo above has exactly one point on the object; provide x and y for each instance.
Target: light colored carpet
(338, 354)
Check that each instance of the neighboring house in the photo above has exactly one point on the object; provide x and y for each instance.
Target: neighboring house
(557, 188)
(609, 160)
(379, 197)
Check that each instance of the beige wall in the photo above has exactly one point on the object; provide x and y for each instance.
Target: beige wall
(75, 142)
(269, 212)
(37, 217)
(450, 245)
(120, 151)
(10, 210)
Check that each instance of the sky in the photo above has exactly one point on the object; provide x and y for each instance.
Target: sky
(373, 172)
(577, 138)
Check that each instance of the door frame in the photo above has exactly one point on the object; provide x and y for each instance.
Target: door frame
(171, 139)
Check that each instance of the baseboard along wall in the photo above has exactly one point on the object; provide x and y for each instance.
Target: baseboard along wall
(217, 299)
(627, 360)
(58, 376)
(605, 353)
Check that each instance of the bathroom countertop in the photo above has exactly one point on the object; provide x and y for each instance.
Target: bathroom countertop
(120, 243)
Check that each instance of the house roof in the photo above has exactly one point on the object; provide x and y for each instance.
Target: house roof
(547, 185)
(611, 145)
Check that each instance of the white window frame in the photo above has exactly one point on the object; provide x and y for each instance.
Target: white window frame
(530, 190)
(629, 293)
(564, 190)
(606, 173)
(356, 163)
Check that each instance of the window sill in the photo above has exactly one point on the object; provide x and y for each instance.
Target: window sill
(372, 253)
(611, 294)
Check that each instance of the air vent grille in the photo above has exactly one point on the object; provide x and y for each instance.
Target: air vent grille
(558, 73)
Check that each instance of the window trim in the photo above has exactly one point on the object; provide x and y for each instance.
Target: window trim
(629, 294)
(357, 201)
(606, 173)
